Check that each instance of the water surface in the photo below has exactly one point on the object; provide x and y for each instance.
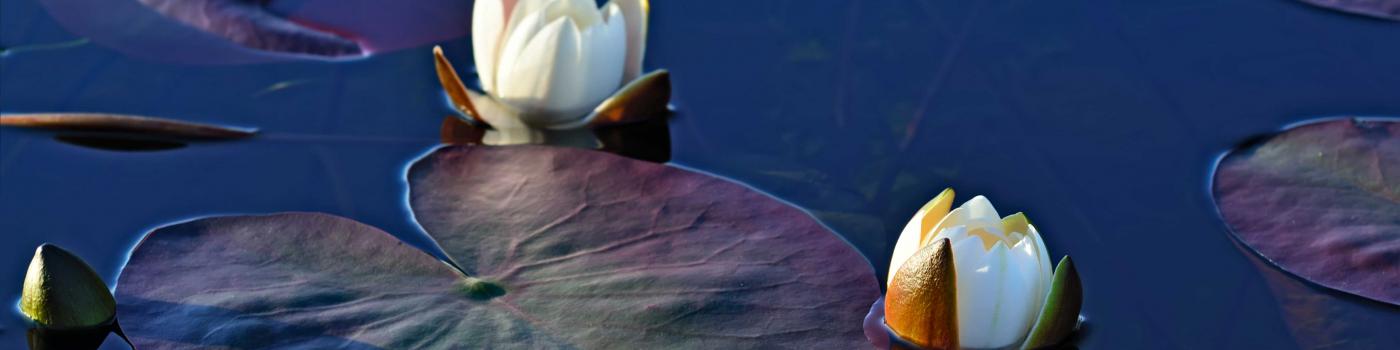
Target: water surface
(1100, 121)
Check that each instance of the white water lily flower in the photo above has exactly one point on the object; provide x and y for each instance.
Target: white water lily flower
(554, 61)
(1002, 270)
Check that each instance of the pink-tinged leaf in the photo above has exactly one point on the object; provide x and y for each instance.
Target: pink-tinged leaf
(248, 23)
(618, 253)
(1388, 9)
(250, 31)
(568, 248)
(1321, 318)
(1321, 201)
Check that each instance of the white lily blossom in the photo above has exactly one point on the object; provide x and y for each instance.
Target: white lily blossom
(554, 61)
(1003, 271)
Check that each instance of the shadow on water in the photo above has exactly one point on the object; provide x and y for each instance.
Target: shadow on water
(119, 143)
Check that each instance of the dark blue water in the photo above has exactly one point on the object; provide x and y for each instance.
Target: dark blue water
(1099, 120)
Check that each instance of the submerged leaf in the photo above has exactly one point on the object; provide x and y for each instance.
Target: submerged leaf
(566, 248)
(1321, 201)
(128, 125)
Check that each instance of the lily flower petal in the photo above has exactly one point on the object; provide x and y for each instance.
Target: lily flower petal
(991, 295)
(546, 79)
(980, 208)
(636, 12)
(489, 18)
(919, 226)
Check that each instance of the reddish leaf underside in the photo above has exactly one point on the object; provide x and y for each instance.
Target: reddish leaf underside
(1321, 201)
(593, 251)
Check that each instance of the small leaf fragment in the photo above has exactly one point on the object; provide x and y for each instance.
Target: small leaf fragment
(921, 305)
(642, 99)
(61, 291)
(1060, 315)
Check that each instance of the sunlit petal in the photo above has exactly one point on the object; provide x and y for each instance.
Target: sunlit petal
(979, 208)
(977, 285)
(910, 240)
(993, 298)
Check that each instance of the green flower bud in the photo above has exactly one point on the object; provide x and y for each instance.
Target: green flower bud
(63, 292)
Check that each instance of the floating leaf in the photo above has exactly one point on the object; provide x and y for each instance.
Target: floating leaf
(248, 31)
(567, 248)
(1388, 9)
(249, 23)
(124, 124)
(1322, 318)
(1321, 201)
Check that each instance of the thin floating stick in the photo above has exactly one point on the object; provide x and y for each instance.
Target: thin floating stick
(457, 91)
(125, 124)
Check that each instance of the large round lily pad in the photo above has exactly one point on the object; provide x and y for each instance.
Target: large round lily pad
(1321, 201)
(567, 248)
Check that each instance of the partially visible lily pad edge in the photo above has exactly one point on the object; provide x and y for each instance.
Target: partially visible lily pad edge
(1384, 9)
(550, 247)
(1322, 202)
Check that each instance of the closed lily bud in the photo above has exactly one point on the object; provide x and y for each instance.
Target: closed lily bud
(1004, 292)
(70, 306)
(61, 291)
(554, 61)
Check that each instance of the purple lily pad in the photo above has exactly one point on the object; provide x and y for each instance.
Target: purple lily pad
(1387, 9)
(568, 248)
(1321, 201)
(250, 31)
